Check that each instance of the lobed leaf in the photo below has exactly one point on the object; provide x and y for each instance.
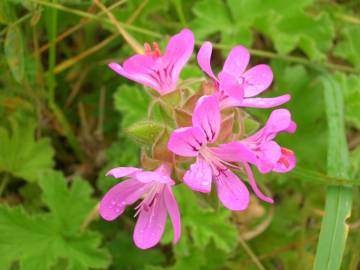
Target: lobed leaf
(21, 154)
(41, 241)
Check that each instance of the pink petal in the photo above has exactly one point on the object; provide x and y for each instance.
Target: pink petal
(186, 141)
(257, 80)
(230, 84)
(270, 154)
(118, 197)
(286, 163)
(151, 224)
(147, 177)
(204, 59)
(174, 213)
(199, 176)
(278, 121)
(236, 61)
(207, 117)
(255, 102)
(292, 127)
(231, 191)
(254, 186)
(122, 171)
(136, 73)
(178, 52)
(234, 152)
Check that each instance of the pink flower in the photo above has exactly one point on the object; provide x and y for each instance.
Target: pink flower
(212, 163)
(268, 154)
(158, 200)
(157, 71)
(234, 85)
(261, 150)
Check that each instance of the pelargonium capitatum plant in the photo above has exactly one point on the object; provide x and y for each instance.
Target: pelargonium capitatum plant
(198, 139)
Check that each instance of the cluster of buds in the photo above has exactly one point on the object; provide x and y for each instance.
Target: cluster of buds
(201, 138)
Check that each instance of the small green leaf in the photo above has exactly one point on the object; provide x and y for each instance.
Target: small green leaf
(145, 132)
(14, 52)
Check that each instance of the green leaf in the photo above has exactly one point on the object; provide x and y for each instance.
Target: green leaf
(144, 132)
(14, 52)
(132, 102)
(216, 18)
(21, 154)
(64, 201)
(334, 228)
(312, 34)
(349, 47)
(44, 240)
(351, 87)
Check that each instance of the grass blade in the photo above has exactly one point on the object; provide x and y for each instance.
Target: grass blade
(334, 229)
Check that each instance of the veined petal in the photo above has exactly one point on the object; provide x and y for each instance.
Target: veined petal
(236, 61)
(150, 225)
(204, 59)
(234, 152)
(141, 76)
(118, 197)
(255, 102)
(187, 141)
(147, 177)
(231, 85)
(178, 52)
(231, 191)
(199, 176)
(174, 213)
(257, 79)
(254, 186)
(122, 171)
(206, 116)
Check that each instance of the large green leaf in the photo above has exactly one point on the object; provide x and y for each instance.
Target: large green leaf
(349, 47)
(132, 102)
(54, 238)
(21, 154)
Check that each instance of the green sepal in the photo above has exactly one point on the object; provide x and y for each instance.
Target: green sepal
(144, 132)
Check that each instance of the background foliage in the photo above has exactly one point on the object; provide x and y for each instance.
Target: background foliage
(64, 115)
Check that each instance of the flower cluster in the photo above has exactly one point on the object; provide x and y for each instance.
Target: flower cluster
(207, 144)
